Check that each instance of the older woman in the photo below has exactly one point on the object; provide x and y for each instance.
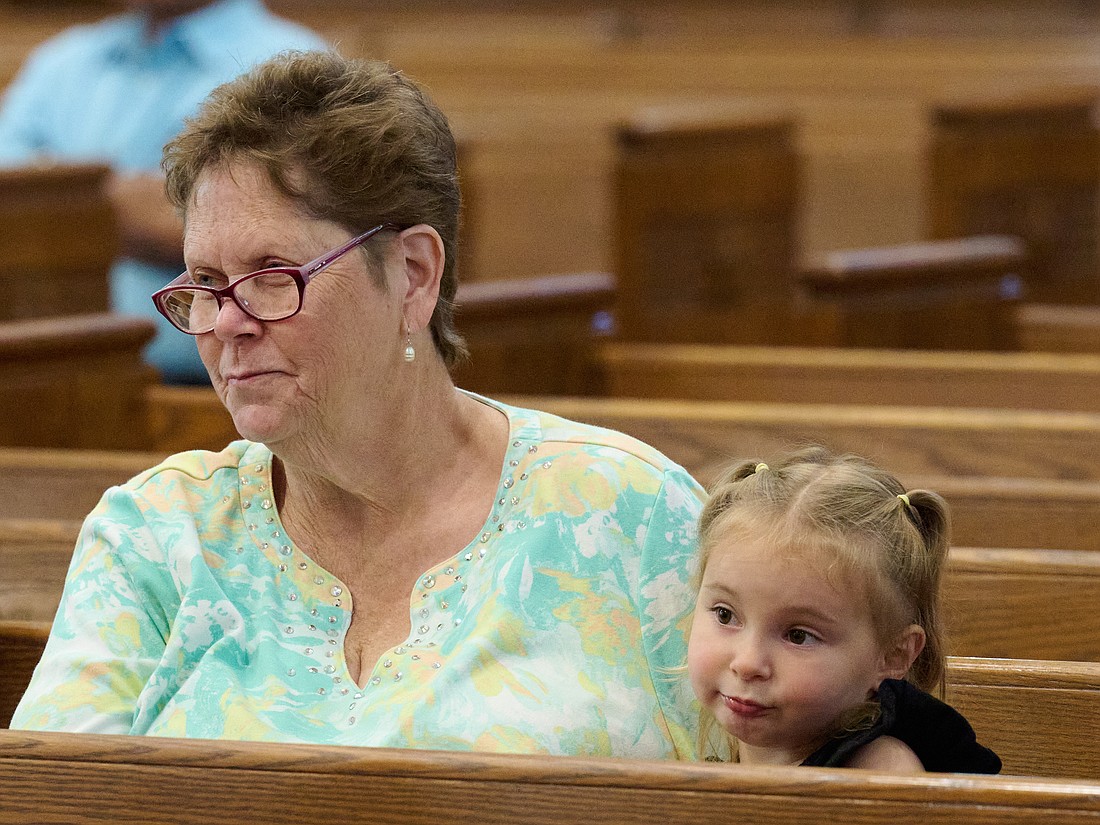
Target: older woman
(384, 559)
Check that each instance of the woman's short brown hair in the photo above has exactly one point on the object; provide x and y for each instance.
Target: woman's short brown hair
(351, 141)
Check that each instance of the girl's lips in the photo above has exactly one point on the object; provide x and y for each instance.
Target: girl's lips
(745, 707)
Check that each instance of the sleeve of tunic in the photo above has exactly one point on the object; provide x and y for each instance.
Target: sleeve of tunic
(110, 629)
(668, 560)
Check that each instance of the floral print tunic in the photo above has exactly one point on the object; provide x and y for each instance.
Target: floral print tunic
(560, 629)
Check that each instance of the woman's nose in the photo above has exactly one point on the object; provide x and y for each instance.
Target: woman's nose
(232, 321)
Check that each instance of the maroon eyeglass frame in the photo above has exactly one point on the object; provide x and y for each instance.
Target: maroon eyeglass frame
(301, 275)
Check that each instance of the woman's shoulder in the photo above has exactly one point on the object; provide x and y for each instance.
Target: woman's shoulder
(202, 465)
(565, 435)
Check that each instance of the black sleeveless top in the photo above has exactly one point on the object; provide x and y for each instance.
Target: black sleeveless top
(939, 735)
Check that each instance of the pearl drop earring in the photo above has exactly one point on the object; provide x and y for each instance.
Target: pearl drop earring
(410, 351)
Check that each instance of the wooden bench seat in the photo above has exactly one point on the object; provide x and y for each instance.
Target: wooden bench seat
(1058, 328)
(75, 381)
(823, 375)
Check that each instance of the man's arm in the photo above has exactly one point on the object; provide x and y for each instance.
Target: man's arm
(148, 227)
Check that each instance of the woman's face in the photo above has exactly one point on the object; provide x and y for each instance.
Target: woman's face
(312, 377)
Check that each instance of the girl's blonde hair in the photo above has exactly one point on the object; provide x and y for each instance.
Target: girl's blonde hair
(861, 520)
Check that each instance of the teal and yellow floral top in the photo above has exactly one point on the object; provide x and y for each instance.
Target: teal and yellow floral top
(189, 612)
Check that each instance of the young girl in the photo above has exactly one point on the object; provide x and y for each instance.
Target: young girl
(816, 637)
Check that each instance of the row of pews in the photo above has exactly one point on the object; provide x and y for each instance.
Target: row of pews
(689, 364)
(711, 192)
(1010, 438)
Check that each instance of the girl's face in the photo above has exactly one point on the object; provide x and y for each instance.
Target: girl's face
(778, 651)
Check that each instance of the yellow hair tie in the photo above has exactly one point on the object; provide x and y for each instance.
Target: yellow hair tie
(905, 498)
(760, 466)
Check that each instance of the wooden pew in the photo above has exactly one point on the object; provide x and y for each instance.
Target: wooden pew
(57, 240)
(1039, 716)
(1012, 480)
(704, 436)
(1058, 328)
(534, 334)
(1023, 163)
(704, 223)
(34, 560)
(63, 484)
(97, 779)
(955, 294)
(75, 381)
(1023, 603)
(988, 511)
(65, 777)
(822, 375)
(21, 644)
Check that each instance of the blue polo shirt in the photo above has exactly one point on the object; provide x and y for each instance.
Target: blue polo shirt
(103, 93)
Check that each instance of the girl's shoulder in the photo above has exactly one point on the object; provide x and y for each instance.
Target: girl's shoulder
(886, 754)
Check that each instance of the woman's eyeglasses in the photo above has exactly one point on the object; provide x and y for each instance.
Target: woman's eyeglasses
(266, 295)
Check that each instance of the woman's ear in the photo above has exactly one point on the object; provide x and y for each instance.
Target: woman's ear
(904, 650)
(423, 257)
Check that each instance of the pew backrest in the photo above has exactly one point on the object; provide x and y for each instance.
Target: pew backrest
(1041, 717)
(1023, 162)
(1058, 328)
(950, 294)
(75, 381)
(988, 511)
(67, 777)
(34, 559)
(705, 436)
(57, 240)
(1022, 604)
(63, 484)
(998, 602)
(824, 375)
(21, 645)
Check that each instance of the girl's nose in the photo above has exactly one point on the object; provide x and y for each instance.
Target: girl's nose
(749, 658)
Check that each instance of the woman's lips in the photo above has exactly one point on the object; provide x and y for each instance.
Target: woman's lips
(245, 377)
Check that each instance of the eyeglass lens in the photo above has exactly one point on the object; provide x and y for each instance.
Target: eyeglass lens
(269, 297)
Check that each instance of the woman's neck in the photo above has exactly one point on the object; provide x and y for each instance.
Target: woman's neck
(381, 477)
